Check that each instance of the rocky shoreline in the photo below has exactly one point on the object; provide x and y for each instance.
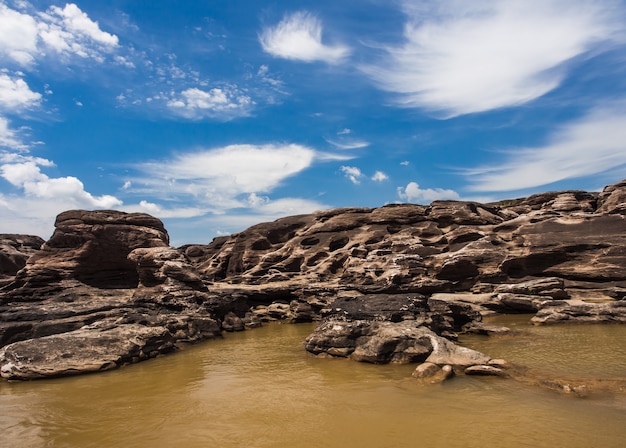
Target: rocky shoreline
(391, 284)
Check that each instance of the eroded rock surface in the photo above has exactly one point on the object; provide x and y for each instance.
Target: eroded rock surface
(389, 284)
(14, 251)
(104, 291)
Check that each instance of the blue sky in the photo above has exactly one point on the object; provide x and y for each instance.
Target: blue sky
(216, 115)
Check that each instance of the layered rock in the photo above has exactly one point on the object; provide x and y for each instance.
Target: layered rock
(576, 237)
(104, 291)
(14, 251)
(390, 284)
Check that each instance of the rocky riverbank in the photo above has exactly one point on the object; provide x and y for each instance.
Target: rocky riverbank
(390, 284)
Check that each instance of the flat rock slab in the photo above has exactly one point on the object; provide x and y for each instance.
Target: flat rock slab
(81, 351)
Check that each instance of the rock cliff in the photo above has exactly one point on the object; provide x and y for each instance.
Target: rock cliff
(389, 284)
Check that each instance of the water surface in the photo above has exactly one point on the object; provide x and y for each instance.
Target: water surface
(261, 389)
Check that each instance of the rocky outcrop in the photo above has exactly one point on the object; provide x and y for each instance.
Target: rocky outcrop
(574, 241)
(389, 284)
(14, 251)
(578, 311)
(105, 290)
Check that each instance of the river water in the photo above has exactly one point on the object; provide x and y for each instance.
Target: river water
(261, 389)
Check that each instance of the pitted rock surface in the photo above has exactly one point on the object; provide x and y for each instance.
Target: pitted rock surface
(370, 275)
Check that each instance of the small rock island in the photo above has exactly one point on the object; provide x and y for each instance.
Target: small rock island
(391, 284)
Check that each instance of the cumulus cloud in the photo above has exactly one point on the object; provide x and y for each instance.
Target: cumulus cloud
(299, 37)
(379, 176)
(15, 94)
(18, 36)
(24, 172)
(413, 193)
(39, 198)
(353, 173)
(463, 57)
(590, 145)
(67, 31)
(221, 103)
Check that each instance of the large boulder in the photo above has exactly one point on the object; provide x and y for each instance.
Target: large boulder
(104, 291)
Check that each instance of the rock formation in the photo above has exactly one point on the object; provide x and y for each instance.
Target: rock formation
(14, 251)
(105, 290)
(389, 284)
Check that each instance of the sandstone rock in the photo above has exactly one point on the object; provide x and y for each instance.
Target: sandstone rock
(81, 351)
(432, 373)
(232, 322)
(486, 329)
(537, 243)
(485, 370)
(105, 290)
(14, 251)
(380, 279)
(446, 352)
(551, 286)
(580, 312)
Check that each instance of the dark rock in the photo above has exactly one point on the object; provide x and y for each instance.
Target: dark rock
(14, 251)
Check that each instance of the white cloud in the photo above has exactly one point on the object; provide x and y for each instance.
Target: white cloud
(10, 138)
(349, 143)
(25, 38)
(463, 57)
(217, 177)
(77, 22)
(18, 35)
(353, 173)
(591, 145)
(299, 37)
(413, 193)
(15, 94)
(41, 198)
(221, 103)
(379, 176)
(25, 173)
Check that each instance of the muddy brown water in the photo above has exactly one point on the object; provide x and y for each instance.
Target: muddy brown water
(261, 389)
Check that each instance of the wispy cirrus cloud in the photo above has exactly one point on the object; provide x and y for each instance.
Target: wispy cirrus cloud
(10, 138)
(299, 37)
(591, 145)
(463, 57)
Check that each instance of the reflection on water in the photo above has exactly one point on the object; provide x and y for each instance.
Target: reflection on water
(261, 389)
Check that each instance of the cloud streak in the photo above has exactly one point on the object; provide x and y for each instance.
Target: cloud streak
(299, 37)
(591, 145)
(464, 57)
